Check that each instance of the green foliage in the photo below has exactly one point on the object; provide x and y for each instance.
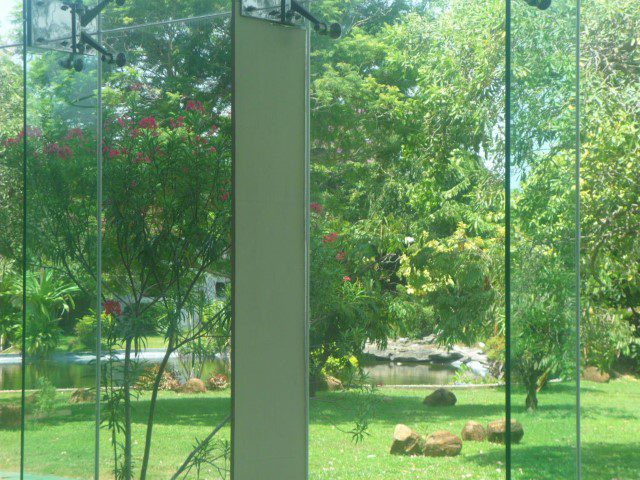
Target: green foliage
(86, 330)
(44, 397)
(465, 376)
(49, 295)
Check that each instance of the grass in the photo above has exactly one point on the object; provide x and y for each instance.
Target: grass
(63, 444)
(68, 343)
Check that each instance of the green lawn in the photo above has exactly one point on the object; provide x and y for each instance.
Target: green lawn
(63, 444)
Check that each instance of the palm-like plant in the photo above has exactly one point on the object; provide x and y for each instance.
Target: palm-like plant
(48, 296)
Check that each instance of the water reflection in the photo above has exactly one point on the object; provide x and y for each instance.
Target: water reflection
(76, 371)
(398, 373)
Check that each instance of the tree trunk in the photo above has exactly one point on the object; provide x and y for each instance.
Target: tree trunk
(152, 410)
(532, 396)
(127, 473)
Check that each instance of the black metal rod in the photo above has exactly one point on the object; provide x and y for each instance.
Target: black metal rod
(91, 14)
(86, 38)
(296, 7)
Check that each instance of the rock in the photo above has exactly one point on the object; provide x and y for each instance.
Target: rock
(441, 398)
(478, 368)
(10, 416)
(194, 385)
(82, 395)
(406, 441)
(219, 382)
(497, 431)
(593, 374)
(474, 432)
(333, 383)
(442, 444)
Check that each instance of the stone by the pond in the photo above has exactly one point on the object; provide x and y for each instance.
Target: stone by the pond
(194, 385)
(593, 374)
(442, 444)
(406, 441)
(10, 416)
(441, 398)
(474, 432)
(497, 431)
(82, 395)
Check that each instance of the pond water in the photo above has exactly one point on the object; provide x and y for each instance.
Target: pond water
(392, 373)
(65, 374)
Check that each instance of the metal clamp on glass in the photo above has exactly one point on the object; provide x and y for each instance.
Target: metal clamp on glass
(63, 25)
(288, 12)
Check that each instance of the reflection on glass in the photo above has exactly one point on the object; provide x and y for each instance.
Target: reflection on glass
(140, 12)
(407, 241)
(61, 275)
(166, 232)
(11, 268)
(543, 241)
(610, 392)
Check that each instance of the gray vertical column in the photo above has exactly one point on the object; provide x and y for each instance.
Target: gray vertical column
(270, 251)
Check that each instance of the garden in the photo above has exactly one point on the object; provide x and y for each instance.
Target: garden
(413, 201)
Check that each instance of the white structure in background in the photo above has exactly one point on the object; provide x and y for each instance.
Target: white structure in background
(214, 289)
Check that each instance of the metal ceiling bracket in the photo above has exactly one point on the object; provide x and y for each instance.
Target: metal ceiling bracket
(64, 25)
(291, 13)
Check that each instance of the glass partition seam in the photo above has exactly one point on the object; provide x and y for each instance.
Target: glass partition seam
(578, 248)
(307, 239)
(23, 346)
(99, 142)
(507, 239)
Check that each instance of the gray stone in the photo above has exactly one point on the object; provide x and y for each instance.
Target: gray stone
(440, 398)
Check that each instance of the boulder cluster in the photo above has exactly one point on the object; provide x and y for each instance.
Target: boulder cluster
(443, 443)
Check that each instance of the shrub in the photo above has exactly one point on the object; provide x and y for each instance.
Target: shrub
(148, 376)
(45, 398)
(219, 382)
(86, 331)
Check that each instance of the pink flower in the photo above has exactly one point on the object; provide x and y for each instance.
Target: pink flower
(213, 149)
(51, 149)
(194, 106)
(346, 278)
(141, 158)
(34, 132)
(11, 141)
(330, 238)
(148, 122)
(113, 153)
(177, 123)
(135, 133)
(214, 128)
(112, 307)
(316, 208)
(75, 133)
(121, 122)
(65, 152)
(340, 256)
(134, 184)
(224, 197)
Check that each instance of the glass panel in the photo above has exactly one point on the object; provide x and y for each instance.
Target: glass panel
(61, 265)
(166, 252)
(11, 238)
(611, 246)
(141, 12)
(407, 241)
(543, 234)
